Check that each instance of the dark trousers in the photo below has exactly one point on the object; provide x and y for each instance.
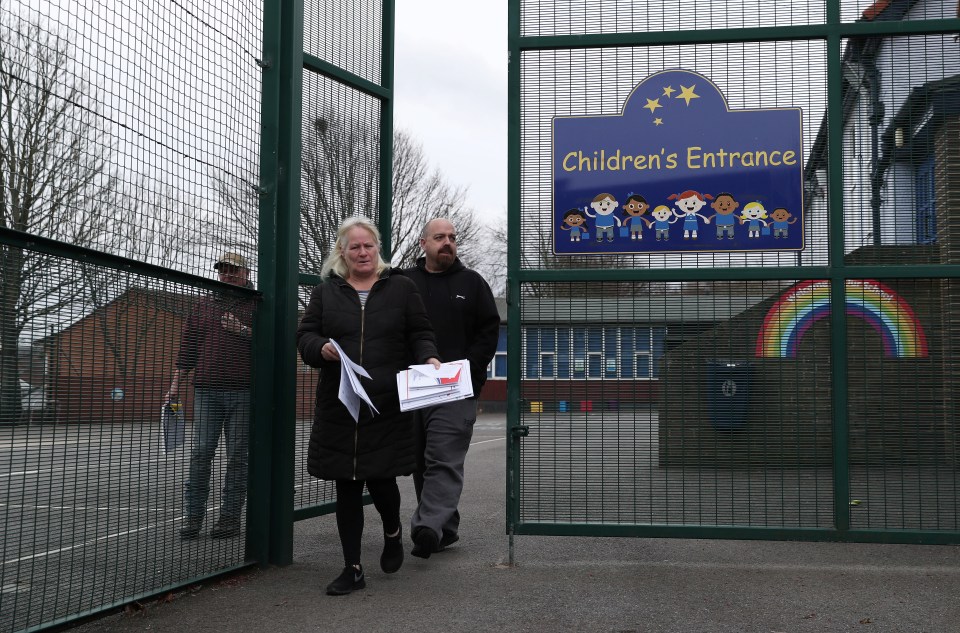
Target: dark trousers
(386, 499)
(447, 431)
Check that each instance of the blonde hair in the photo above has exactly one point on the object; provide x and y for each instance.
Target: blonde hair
(754, 206)
(334, 262)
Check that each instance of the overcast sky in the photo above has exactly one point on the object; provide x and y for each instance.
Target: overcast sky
(451, 93)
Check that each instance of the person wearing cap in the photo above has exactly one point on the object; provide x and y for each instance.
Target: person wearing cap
(215, 347)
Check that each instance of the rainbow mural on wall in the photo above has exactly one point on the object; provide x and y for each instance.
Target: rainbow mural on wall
(808, 302)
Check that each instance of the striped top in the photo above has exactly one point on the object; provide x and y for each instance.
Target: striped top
(363, 297)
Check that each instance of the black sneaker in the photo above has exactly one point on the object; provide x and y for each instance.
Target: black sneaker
(392, 557)
(226, 527)
(448, 539)
(425, 542)
(191, 528)
(350, 579)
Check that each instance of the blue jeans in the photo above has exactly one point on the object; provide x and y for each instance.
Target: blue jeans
(217, 410)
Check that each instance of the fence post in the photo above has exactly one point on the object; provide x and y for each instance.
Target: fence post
(273, 438)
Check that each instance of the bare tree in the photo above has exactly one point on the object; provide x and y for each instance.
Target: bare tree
(339, 179)
(536, 252)
(238, 228)
(491, 261)
(420, 195)
(55, 182)
(142, 232)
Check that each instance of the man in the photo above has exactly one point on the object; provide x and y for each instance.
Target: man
(466, 323)
(215, 346)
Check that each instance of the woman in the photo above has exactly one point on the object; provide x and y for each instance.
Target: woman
(378, 320)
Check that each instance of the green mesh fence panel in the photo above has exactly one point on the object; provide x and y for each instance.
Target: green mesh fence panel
(900, 141)
(902, 408)
(346, 35)
(130, 137)
(763, 393)
(647, 405)
(340, 171)
(93, 489)
(613, 16)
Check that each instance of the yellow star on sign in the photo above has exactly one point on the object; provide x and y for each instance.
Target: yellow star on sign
(687, 94)
(658, 121)
(668, 91)
(652, 104)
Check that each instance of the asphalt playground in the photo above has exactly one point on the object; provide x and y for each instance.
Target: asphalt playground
(616, 585)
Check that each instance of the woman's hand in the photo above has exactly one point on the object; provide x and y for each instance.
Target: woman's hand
(433, 361)
(329, 352)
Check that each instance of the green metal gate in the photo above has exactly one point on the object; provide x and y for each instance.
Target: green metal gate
(139, 142)
(754, 393)
(341, 135)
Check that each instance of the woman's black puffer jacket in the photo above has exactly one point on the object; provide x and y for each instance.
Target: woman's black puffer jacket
(387, 335)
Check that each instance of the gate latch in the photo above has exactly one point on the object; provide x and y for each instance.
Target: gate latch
(521, 430)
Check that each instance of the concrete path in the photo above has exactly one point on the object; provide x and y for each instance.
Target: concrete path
(572, 584)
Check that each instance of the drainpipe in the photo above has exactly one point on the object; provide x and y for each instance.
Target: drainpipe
(876, 120)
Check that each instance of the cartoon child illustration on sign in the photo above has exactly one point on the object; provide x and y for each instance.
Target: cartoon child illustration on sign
(662, 219)
(635, 207)
(576, 222)
(755, 214)
(781, 221)
(724, 204)
(689, 204)
(604, 205)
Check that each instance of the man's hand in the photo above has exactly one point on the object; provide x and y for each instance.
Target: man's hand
(173, 394)
(232, 324)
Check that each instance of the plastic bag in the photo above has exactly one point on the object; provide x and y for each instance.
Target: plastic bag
(173, 426)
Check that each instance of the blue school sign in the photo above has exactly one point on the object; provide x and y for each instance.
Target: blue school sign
(678, 171)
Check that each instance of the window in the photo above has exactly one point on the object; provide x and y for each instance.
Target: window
(627, 359)
(548, 351)
(498, 366)
(594, 352)
(926, 202)
(531, 352)
(548, 365)
(641, 351)
(563, 353)
(579, 345)
(610, 352)
(659, 336)
(540, 353)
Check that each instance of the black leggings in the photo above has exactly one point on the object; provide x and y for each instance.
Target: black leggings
(386, 499)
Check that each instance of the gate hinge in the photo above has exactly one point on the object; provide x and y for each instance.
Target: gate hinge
(520, 431)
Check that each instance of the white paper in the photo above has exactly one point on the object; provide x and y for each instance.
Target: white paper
(351, 391)
(446, 370)
(424, 386)
(427, 378)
